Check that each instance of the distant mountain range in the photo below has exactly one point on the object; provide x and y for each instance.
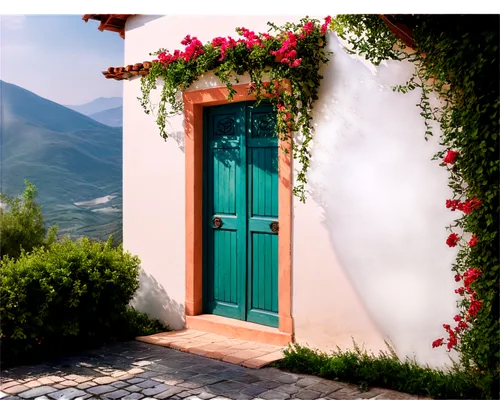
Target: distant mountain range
(111, 117)
(74, 161)
(106, 110)
(98, 105)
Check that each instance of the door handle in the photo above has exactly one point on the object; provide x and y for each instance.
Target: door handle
(275, 226)
(217, 221)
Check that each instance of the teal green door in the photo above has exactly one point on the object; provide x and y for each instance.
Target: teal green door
(240, 212)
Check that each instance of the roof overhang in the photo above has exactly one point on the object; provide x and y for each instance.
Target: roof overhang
(110, 22)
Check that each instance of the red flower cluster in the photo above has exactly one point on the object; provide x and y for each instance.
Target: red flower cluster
(251, 39)
(450, 157)
(325, 26)
(467, 207)
(224, 44)
(473, 241)
(194, 48)
(307, 29)
(452, 240)
(470, 276)
(287, 53)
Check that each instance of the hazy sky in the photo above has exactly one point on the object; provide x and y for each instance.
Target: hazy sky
(59, 57)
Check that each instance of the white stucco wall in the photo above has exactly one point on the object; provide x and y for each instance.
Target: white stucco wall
(369, 255)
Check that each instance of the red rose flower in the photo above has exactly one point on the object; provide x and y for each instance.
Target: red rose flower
(457, 278)
(450, 157)
(437, 342)
(457, 318)
(460, 291)
(452, 240)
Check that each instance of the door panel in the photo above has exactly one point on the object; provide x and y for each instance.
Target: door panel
(225, 255)
(262, 205)
(241, 188)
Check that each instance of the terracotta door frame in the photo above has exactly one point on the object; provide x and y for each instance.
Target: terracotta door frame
(194, 101)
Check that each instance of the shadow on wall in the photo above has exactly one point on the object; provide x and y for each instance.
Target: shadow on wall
(382, 200)
(153, 299)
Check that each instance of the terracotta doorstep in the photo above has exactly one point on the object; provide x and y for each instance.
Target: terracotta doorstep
(234, 351)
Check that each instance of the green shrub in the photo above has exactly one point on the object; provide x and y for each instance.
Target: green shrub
(21, 224)
(385, 370)
(67, 294)
(135, 323)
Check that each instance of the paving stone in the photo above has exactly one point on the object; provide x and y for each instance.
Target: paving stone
(274, 395)
(190, 385)
(327, 387)
(307, 394)
(290, 389)
(155, 390)
(133, 388)
(227, 388)
(55, 378)
(83, 397)
(33, 384)
(67, 394)
(133, 396)
(86, 385)
(9, 384)
(36, 392)
(268, 384)
(16, 389)
(246, 379)
(205, 395)
(42, 398)
(168, 393)
(117, 394)
(104, 380)
(67, 383)
(120, 384)
(100, 389)
(305, 382)
(2, 395)
(136, 380)
(148, 384)
(45, 381)
(254, 390)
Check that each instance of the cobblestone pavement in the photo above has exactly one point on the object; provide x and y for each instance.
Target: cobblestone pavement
(135, 370)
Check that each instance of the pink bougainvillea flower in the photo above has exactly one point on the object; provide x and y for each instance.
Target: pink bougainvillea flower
(325, 26)
(450, 157)
(296, 63)
(452, 240)
(473, 241)
(437, 342)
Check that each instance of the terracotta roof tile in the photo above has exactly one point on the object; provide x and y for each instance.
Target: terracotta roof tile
(120, 73)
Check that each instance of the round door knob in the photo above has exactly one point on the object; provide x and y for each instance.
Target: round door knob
(217, 222)
(275, 226)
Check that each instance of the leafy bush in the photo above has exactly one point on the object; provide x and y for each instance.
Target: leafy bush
(21, 224)
(65, 294)
(385, 370)
(135, 323)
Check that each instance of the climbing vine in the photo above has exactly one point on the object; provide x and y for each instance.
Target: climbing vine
(456, 57)
(292, 52)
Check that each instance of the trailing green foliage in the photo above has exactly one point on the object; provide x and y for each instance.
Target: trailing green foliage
(457, 58)
(385, 370)
(135, 323)
(65, 295)
(293, 52)
(22, 225)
